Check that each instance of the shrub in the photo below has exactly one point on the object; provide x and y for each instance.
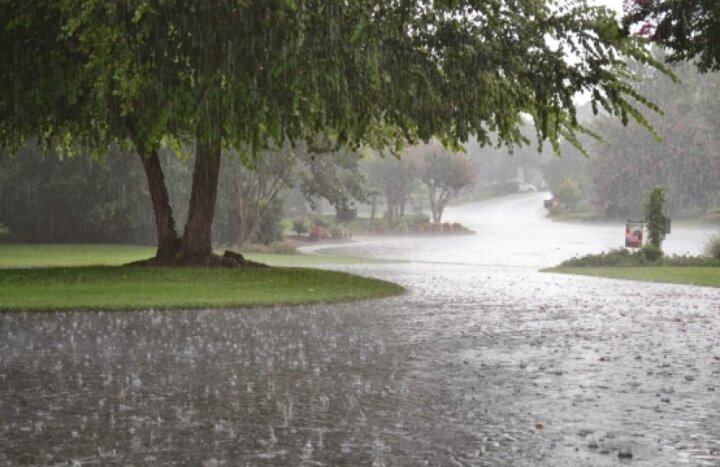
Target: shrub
(417, 218)
(299, 226)
(335, 231)
(651, 252)
(269, 228)
(320, 221)
(420, 227)
(318, 233)
(568, 192)
(648, 255)
(712, 248)
(690, 261)
(616, 257)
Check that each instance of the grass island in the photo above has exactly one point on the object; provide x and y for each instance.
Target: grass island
(71, 277)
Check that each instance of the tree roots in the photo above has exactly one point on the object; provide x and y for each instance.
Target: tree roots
(229, 259)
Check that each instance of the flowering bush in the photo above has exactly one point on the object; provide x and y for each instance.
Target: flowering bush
(318, 233)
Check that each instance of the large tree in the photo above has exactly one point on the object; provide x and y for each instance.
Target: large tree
(248, 73)
(689, 28)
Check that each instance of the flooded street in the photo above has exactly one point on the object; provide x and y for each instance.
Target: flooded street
(484, 361)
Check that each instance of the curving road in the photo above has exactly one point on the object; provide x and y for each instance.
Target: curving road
(485, 361)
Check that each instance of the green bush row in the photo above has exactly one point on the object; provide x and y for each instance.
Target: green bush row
(648, 255)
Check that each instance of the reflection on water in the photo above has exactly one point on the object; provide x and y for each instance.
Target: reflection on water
(484, 362)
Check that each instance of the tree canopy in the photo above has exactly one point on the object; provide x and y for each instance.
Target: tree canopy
(251, 74)
(631, 161)
(395, 179)
(444, 174)
(689, 28)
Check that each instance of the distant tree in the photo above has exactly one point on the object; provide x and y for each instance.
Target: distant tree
(712, 247)
(568, 192)
(395, 179)
(52, 200)
(686, 160)
(444, 174)
(269, 227)
(257, 185)
(336, 177)
(572, 164)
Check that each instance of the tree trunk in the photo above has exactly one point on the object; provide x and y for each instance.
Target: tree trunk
(168, 243)
(433, 204)
(391, 213)
(242, 235)
(240, 209)
(196, 246)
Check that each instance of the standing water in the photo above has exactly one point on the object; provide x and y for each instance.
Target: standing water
(485, 361)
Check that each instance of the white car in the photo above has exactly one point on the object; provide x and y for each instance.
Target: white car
(524, 187)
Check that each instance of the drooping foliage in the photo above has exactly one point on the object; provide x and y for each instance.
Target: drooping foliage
(689, 28)
(631, 161)
(248, 74)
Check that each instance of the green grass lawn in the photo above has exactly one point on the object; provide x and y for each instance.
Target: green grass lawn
(705, 276)
(24, 256)
(38, 277)
(31, 256)
(301, 259)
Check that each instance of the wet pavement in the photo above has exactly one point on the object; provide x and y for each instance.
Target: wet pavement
(485, 361)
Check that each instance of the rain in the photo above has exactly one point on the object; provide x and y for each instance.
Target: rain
(491, 354)
(484, 361)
